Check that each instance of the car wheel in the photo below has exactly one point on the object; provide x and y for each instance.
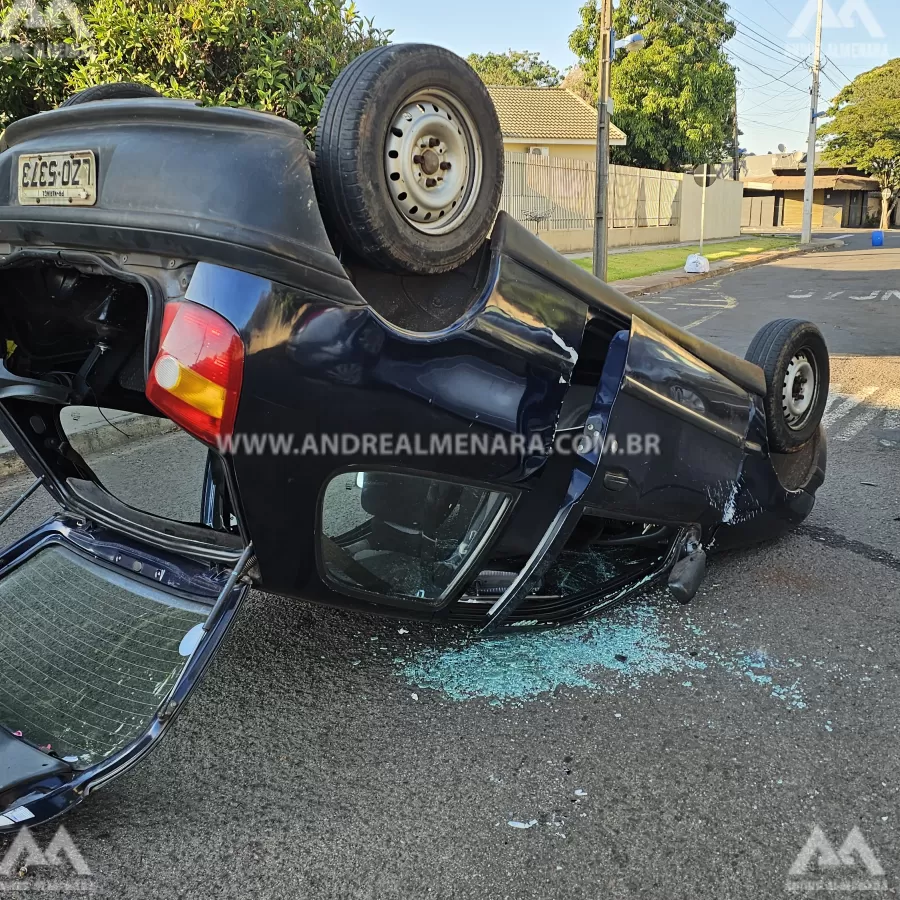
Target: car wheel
(409, 158)
(117, 90)
(794, 357)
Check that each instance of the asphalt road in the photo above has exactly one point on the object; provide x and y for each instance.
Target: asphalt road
(664, 752)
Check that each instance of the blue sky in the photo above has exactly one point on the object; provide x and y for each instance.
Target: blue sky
(773, 101)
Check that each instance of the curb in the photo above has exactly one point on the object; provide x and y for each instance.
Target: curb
(676, 278)
(104, 437)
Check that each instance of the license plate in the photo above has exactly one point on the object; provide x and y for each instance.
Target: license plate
(67, 178)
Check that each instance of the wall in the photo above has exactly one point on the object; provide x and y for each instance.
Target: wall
(554, 197)
(576, 240)
(586, 152)
(832, 210)
(724, 200)
(758, 211)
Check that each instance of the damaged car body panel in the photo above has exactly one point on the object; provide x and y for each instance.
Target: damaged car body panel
(511, 443)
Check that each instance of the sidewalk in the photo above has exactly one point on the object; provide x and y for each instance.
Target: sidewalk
(89, 432)
(675, 278)
(617, 251)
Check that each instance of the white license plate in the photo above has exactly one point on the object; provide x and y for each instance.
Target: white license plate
(67, 178)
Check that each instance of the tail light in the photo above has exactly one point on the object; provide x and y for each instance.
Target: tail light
(196, 378)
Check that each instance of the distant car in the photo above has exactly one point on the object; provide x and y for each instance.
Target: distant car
(413, 406)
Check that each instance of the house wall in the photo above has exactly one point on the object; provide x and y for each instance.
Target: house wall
(586, 152)
(832, 210)
(835, 208)
(873, 210)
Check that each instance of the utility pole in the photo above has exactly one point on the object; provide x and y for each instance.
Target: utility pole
(737, 137)
(601, 204)
(809, 193)
(703, 206)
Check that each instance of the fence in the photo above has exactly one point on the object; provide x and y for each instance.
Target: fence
(553, 193)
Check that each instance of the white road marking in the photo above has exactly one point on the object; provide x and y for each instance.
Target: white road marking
(891, 406)
(872, 296)
(711, 305)
(889, 294)
(859, 423)
(801, 296)
(847, 407)
(729, 303)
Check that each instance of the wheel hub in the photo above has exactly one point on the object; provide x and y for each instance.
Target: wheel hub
(433, 162)
(429, 161)
(800, 391)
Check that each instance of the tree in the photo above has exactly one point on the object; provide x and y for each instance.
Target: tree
(675, 98)
(280, 56)
(576, 82)
(864, 131)
(517, 68)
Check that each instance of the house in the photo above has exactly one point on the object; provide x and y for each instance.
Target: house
(774, 186)
(549, 122)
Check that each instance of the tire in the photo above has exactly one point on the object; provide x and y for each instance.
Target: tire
(794, 357)
(117, 90)
(409, 159)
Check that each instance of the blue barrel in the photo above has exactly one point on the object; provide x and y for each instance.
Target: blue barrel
(878, 239)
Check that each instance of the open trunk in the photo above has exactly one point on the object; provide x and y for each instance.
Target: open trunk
(108, 612)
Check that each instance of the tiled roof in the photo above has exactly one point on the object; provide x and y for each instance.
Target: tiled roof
(546, 114)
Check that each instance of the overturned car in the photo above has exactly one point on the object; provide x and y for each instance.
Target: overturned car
(527, 445)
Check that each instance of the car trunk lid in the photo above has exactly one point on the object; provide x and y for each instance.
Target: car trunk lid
(102, 638)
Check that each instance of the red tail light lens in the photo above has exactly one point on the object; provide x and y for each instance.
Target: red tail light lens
(196, 377)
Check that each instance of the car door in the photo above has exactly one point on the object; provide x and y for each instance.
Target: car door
(675, 437)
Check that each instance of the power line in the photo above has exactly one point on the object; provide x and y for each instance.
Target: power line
(758, 87)
(771, 45)
(706, 17)
(769, 100)
(794, 23)
(774, 127)
(772, 75)
(761, 52)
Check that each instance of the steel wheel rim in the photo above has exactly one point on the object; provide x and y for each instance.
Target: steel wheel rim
(800, 391)
(433, 161)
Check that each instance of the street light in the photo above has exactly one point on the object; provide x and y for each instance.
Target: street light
(631, 44)
(608, 46)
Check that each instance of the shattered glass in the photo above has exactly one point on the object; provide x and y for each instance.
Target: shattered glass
(86, 656)
(396, 534)
(576, 571)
